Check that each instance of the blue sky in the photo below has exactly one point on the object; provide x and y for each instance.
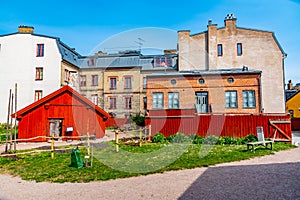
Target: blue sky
(91, 24)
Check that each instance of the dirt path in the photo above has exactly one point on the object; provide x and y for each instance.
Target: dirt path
(270, 177)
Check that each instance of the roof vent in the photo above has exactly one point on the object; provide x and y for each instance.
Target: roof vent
(209, 22)
(230, 16)
(25, 29)
(245, 68)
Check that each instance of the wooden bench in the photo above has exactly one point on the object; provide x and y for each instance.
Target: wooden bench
(261, 141)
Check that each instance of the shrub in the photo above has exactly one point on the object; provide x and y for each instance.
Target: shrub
(138, 119)
(230, 140)
(221, 140)
(170, 138)
(210, 140)
(181, 138)
(249, 138)
(198, 140)
(158, 138)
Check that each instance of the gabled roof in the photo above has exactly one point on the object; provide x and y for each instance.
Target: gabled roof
(56, 94)
(289, 94)
(67, 53)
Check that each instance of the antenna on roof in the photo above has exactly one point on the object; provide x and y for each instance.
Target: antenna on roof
(140, 42)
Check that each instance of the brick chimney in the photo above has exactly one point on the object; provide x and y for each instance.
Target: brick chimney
(230, 21)
(290, 85)
(25, 29)
(211, 63)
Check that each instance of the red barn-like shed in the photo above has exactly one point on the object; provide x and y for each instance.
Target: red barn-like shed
(64, 112)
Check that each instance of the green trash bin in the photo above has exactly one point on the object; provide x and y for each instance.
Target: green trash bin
(76, 160)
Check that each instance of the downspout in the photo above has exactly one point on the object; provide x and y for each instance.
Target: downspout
(284, 56)
(260, 95)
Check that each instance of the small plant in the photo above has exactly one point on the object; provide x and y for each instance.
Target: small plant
(158, 138)
(250, 138)
(181, 138)
(138, 119)
(198, 140)
(210, 140)
(170, 138)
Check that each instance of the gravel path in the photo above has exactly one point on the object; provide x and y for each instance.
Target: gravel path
(270, 177)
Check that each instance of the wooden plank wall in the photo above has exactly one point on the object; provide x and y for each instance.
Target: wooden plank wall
(295, 124)
(217, 124)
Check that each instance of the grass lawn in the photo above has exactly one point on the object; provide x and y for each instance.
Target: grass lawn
(129, 161)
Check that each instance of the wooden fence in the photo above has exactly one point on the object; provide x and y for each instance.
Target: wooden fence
(295, 124)
(234, 125)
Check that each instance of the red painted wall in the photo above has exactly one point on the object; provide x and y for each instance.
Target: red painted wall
(72, 110)
(219, 124)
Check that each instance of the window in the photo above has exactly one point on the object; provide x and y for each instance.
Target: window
(38, 94)
(239, 49)
(95, 99)
(157, 100)
(231, 99)
(173, 81)
(112, 103)
(38, 73)
(163, 62)
(128, 103)
(83, 80)
(220, 50)
(291, 112)
(201, 81)
(91, 62)
(67, 75)
(248, 99)
(127, 83)
(145, 102)
(94, 80)
(230, 80)
(144, 82)
(40, 50)
(169, 62)
(158, 62)
(113, 83)
(173, 100)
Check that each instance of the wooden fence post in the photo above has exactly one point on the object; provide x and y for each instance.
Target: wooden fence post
(8, 115)
(15, 136)
(52, 146)
(117, 140)
(140, 137)
(149, 138)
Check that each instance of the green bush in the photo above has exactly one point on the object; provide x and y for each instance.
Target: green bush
(158, 138)
(198, 140)
(249, 138)
(181, 138)
(211, 140)
(138, 119)
(170, 138)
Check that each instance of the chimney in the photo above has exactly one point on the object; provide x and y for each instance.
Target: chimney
(170, 51)
(230, 21)
(290, 85)
(25, 29)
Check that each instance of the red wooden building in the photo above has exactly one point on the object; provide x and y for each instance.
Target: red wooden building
(64, 112)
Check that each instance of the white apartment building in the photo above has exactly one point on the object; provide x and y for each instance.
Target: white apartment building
(39, 65)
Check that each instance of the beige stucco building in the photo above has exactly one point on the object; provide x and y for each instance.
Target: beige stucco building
(234, 47)
(117, 82)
